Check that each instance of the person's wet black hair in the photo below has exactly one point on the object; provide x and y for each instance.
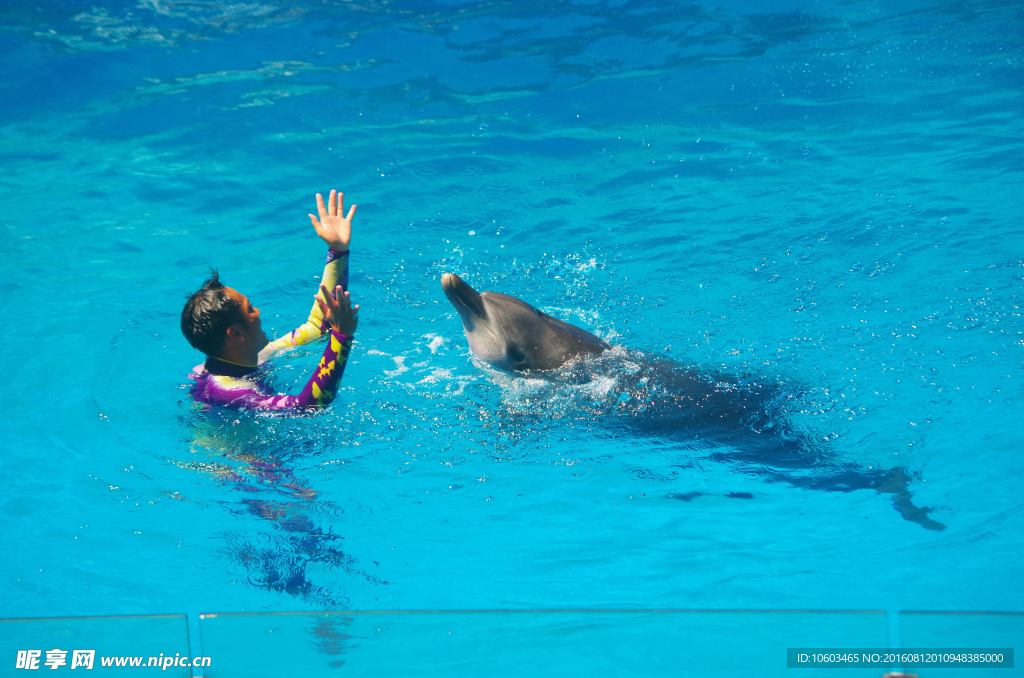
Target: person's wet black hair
(208, 314)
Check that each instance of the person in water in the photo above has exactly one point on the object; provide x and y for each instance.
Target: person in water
(223, 324)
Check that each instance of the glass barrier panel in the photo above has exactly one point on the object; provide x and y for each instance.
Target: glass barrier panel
(103, 646)
(531, 644)
(964, 630)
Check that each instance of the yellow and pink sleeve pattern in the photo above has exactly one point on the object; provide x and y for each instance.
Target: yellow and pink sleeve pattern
(335, 273)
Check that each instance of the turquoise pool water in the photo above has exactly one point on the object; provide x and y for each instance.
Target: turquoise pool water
(823, 196)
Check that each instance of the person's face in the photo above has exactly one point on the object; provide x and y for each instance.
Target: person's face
(253, 332)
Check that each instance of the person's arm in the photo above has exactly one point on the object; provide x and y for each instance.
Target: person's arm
(343, 318)
(315, 327)
(321, 387)
(336, 231)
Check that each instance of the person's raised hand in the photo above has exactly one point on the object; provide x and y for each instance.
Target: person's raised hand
(335, 229)
(338, 310)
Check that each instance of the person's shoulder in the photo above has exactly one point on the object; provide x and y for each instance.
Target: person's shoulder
(208, 385)
(227, 383)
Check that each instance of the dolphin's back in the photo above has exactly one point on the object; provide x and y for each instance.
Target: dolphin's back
(594, 344)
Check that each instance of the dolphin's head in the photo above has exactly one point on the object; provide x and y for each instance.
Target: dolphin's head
(510, 334)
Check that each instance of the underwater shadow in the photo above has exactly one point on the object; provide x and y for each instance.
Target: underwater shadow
(242, 456)
(738, 420)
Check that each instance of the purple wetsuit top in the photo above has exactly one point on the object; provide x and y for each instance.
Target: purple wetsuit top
(226, 384)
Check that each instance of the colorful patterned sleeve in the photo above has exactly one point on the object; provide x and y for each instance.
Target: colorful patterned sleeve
(335, 273)
(320, 389)
(241, 393)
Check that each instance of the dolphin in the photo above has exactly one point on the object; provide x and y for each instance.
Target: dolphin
(511, 335)
(737, 416)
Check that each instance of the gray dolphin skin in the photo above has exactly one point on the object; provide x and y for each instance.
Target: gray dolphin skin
(511, 335)
(739, 419)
